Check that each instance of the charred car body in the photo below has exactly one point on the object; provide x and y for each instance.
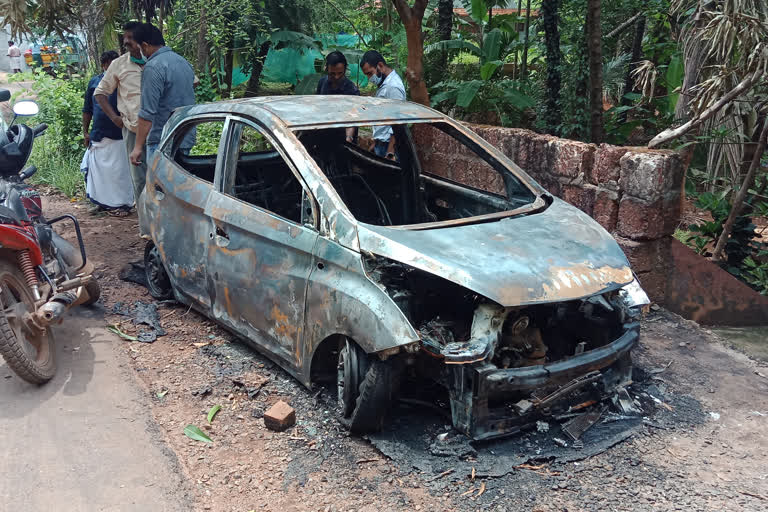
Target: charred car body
(337, 263)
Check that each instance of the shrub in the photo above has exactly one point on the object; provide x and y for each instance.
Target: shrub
(58, 153)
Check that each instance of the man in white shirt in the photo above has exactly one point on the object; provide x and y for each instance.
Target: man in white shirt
(390, 85)
(14, 54)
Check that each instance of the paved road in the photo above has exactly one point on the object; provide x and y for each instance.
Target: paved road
(84, 441)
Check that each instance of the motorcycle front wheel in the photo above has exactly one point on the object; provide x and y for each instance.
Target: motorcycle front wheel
(28, 351)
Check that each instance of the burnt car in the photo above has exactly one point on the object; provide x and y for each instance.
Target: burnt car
(341, 265)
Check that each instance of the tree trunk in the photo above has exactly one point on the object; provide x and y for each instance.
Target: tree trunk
(412, 18)
(444, 19)
(161, 19)
(524, 64)
(595, 49)
(387, 15)
(552, 117)
(738, 201)
(257, 66)
(637, 54)
(202, 44)
(229, 64)
(517, 55)
(444, 26)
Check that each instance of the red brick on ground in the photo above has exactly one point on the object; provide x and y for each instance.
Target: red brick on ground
(280, 417)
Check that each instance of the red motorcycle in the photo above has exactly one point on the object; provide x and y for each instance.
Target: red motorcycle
(41, 274)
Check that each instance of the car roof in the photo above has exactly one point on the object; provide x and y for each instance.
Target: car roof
(318, 110)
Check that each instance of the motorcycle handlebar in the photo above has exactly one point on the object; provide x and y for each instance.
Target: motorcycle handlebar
(39, 129)
(26, 173)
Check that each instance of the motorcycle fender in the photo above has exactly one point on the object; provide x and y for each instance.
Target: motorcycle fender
(20, 239)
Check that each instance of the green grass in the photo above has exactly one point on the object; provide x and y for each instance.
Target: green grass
(61, 171)
(682, 235)
(275, 89)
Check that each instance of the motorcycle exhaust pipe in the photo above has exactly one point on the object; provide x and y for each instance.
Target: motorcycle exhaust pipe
(54, 309)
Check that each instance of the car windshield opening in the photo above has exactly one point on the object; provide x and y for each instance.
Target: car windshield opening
(407, 183)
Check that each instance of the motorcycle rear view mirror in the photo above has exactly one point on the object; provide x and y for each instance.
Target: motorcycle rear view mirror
(5, 95)
(26, 108)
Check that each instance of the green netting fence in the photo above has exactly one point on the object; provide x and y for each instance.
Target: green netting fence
(289, 65)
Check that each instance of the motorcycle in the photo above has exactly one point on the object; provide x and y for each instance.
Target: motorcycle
(42, 275)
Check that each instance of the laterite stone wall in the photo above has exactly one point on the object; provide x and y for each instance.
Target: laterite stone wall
(634, 193)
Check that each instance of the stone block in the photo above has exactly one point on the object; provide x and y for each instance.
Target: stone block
(655, 284)
(606, 209)
(607, 164)
(640, 220)
(646, 256)
(646, 220)
(570, 158)
(280, 417)
(643, 175)
(579, 196)
(550, 184)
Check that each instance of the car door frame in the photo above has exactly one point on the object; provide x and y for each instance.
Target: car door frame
(267, 343)
(157, 187)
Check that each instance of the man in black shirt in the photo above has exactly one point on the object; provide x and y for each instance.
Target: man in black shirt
(336, 82)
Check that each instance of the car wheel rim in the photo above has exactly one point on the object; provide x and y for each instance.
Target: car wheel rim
(157, 278)
(347, 380)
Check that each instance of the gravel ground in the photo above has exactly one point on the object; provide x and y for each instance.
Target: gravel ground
(703, 444)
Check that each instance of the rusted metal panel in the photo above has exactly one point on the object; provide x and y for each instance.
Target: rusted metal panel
(556, 255)
(699, 290)
(258, 267)
(341, 299)
(173, 205)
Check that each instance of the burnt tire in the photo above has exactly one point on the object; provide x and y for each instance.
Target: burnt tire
(158, 282)
(30, 356)
(372, 389)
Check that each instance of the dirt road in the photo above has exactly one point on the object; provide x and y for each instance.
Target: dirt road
(86, 441)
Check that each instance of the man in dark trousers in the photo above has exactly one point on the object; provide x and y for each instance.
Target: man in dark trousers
(336, 82)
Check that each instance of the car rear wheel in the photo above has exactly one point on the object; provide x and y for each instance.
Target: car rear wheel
(158, 282)
(367, 387)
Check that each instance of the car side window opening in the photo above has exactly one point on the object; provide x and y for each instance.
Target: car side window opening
(423, 186)
(262, 176)
(195, 147)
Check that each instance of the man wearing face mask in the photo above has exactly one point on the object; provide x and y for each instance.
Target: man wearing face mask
(390, 85)
(124, 75)
(167, 83)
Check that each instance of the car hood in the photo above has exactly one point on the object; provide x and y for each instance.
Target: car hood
(551, 256)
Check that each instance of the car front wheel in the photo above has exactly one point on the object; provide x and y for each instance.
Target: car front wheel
(367, 387)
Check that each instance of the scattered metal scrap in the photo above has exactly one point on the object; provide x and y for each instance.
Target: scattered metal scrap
(578, 425)
(142, 314)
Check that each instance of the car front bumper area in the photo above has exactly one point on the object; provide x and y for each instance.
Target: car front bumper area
(488, 402)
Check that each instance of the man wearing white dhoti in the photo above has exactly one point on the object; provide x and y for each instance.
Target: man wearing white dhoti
(14, 55)
(107, 171)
